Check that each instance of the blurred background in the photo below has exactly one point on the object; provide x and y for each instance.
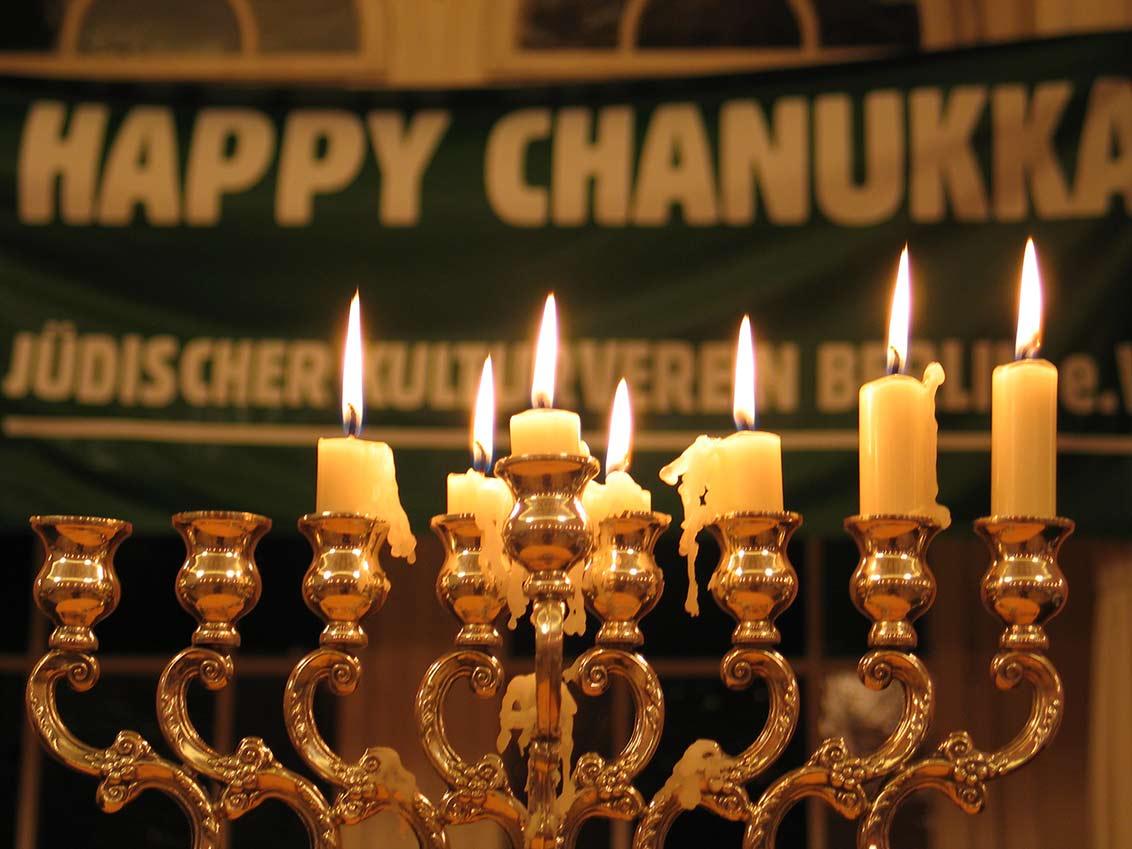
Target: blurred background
(94, 234)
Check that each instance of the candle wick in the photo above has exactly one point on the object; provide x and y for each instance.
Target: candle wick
(480, 460)
(895, 362)
(352, 422)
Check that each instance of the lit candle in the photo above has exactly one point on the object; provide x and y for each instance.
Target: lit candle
(898, 430)
(488, 498)
(740, 473)
(475, 491)
(750, 460)
(1024, 414)
(358, 475)
(544, 430)
(620, 493)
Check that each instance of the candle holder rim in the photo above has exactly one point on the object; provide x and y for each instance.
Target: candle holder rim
(993, 521)
(319, 519)
(46, 520)
(646, 517)
(185, 518)
(869, 520)
(789, 518)
(570, 462)
(452, 519)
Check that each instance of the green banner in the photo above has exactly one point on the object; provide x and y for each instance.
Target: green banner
(176, 263)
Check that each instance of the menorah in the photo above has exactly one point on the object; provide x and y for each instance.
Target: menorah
(548, 535)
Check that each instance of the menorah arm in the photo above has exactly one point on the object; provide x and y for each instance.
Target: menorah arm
(477, 791)
(377, 781)
(606, 788)
(724, 794)
(835, 775)
(129, 766)
(251, 774)
(961, 771)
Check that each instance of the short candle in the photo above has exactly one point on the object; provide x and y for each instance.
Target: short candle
(543, 429)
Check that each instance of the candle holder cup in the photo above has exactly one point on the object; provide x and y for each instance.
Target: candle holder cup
(1024, 585)
(345, 580)
(892, 585)
(467, 586)
(622, 582)
(754, 580)
(77, 586)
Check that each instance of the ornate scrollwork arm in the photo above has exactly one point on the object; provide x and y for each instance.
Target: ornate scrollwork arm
(251, 774)
(722, 790)
(833, 773)
(129, 766)
(477, 791)
(961, 771)
(377, 781)
(606, 789)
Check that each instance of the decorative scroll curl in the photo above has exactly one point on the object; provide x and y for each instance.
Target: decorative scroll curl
(377, 782)
(251, 774)
(722, 790)
(129, 766)
(477, 791)
(605, 789)
(961, 771)
(833, 773)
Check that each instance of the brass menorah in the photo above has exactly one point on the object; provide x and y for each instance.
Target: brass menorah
(548, 536)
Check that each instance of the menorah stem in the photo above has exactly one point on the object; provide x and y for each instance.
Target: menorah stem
(543, 767)
(546, 533)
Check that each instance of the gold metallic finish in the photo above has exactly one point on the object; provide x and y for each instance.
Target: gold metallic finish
(754, 581)
(344, 583)
(475, 595)
(892, 585)
(546, 533)
(622, 581)
(466, 586)
(621, 584)
(219, 582)
(77, 587)
(1025, 588)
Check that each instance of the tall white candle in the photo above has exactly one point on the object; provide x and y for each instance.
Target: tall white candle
(898, 430)
(543, 429)
(358, 475)
(1024, 414)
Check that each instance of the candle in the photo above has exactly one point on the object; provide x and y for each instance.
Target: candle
(898, 430)
(740, 473)
(1024, 414)
(488, 498)
(358, 475)
(542, 429)
(620, 493)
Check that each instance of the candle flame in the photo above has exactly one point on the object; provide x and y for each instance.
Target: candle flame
(352, 398)
(546, 357)
(743, 405)
(1029, 338)
(483, 420)
(618, 451)
(899, 316)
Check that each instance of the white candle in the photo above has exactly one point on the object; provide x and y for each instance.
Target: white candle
(359, 475)
(620, 493)
(898, 430)
(742, 473)
(1024, 414)
(544, 430)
